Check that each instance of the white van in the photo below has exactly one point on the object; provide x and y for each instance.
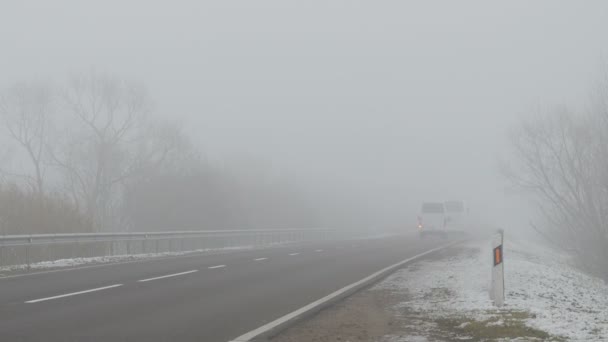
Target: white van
(432, 219)
(456, 215)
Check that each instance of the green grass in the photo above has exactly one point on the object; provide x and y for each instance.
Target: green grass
(502, 325)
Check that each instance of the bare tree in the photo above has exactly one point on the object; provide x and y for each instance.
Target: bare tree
(108, 141)
(560, 159)
(26, 111)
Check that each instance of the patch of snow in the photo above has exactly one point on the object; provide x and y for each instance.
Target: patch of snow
(73, 262)
(560, 299)
(415, 339)
(463, 278)
(498, 323)
(565, 301)
(464, 325)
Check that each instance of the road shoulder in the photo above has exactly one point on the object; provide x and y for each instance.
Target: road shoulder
(445, 297)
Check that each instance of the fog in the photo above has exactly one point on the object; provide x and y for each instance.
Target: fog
(371, 107)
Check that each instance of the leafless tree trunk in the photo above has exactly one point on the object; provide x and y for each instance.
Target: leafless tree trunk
(108, 141)
(26, 113)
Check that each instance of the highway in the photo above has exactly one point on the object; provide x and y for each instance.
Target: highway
(204, 297)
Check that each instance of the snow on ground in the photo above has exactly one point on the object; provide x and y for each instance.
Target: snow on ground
(72, 262)
(566, 301)
(556, 297)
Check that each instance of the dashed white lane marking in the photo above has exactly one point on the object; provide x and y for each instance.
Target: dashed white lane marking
(319, 250)
(218, 266)
(292, 254)
(168, 276)
(72, 294)
(260, 259)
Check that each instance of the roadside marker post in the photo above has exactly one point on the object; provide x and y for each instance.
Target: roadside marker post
(497, 291)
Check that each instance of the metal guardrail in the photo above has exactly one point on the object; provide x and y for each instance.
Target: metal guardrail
(22, 251)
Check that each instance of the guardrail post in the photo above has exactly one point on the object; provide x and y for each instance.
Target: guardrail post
(27, 254)
(497, 291)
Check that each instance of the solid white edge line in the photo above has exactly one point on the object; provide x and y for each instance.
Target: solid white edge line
(167, 276)
(292, 254)
(260, 259)
(247, 337)
(218, 266)
(72, 294)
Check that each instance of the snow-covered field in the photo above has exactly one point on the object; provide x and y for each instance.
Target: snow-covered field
(73, 262)
(541, 286)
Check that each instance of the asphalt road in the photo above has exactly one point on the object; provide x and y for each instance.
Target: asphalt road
(194, 298)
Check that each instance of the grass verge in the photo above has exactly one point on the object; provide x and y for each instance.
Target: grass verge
(501, 325)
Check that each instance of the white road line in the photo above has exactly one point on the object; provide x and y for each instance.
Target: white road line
(168, 276)
(72, 294)
(218, 266)
(291, 317)
(260, 259)
(319, 250)
(292, 254)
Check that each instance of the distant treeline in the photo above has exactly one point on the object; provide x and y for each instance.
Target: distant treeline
(89, 155)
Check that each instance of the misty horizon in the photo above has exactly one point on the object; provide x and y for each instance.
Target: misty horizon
(385, 105)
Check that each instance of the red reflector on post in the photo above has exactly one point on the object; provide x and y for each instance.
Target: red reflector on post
(498, 255)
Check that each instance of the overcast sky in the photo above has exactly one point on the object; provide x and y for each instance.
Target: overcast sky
(393, 102)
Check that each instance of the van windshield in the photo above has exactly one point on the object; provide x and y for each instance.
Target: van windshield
(454, 207)
(432, 208)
